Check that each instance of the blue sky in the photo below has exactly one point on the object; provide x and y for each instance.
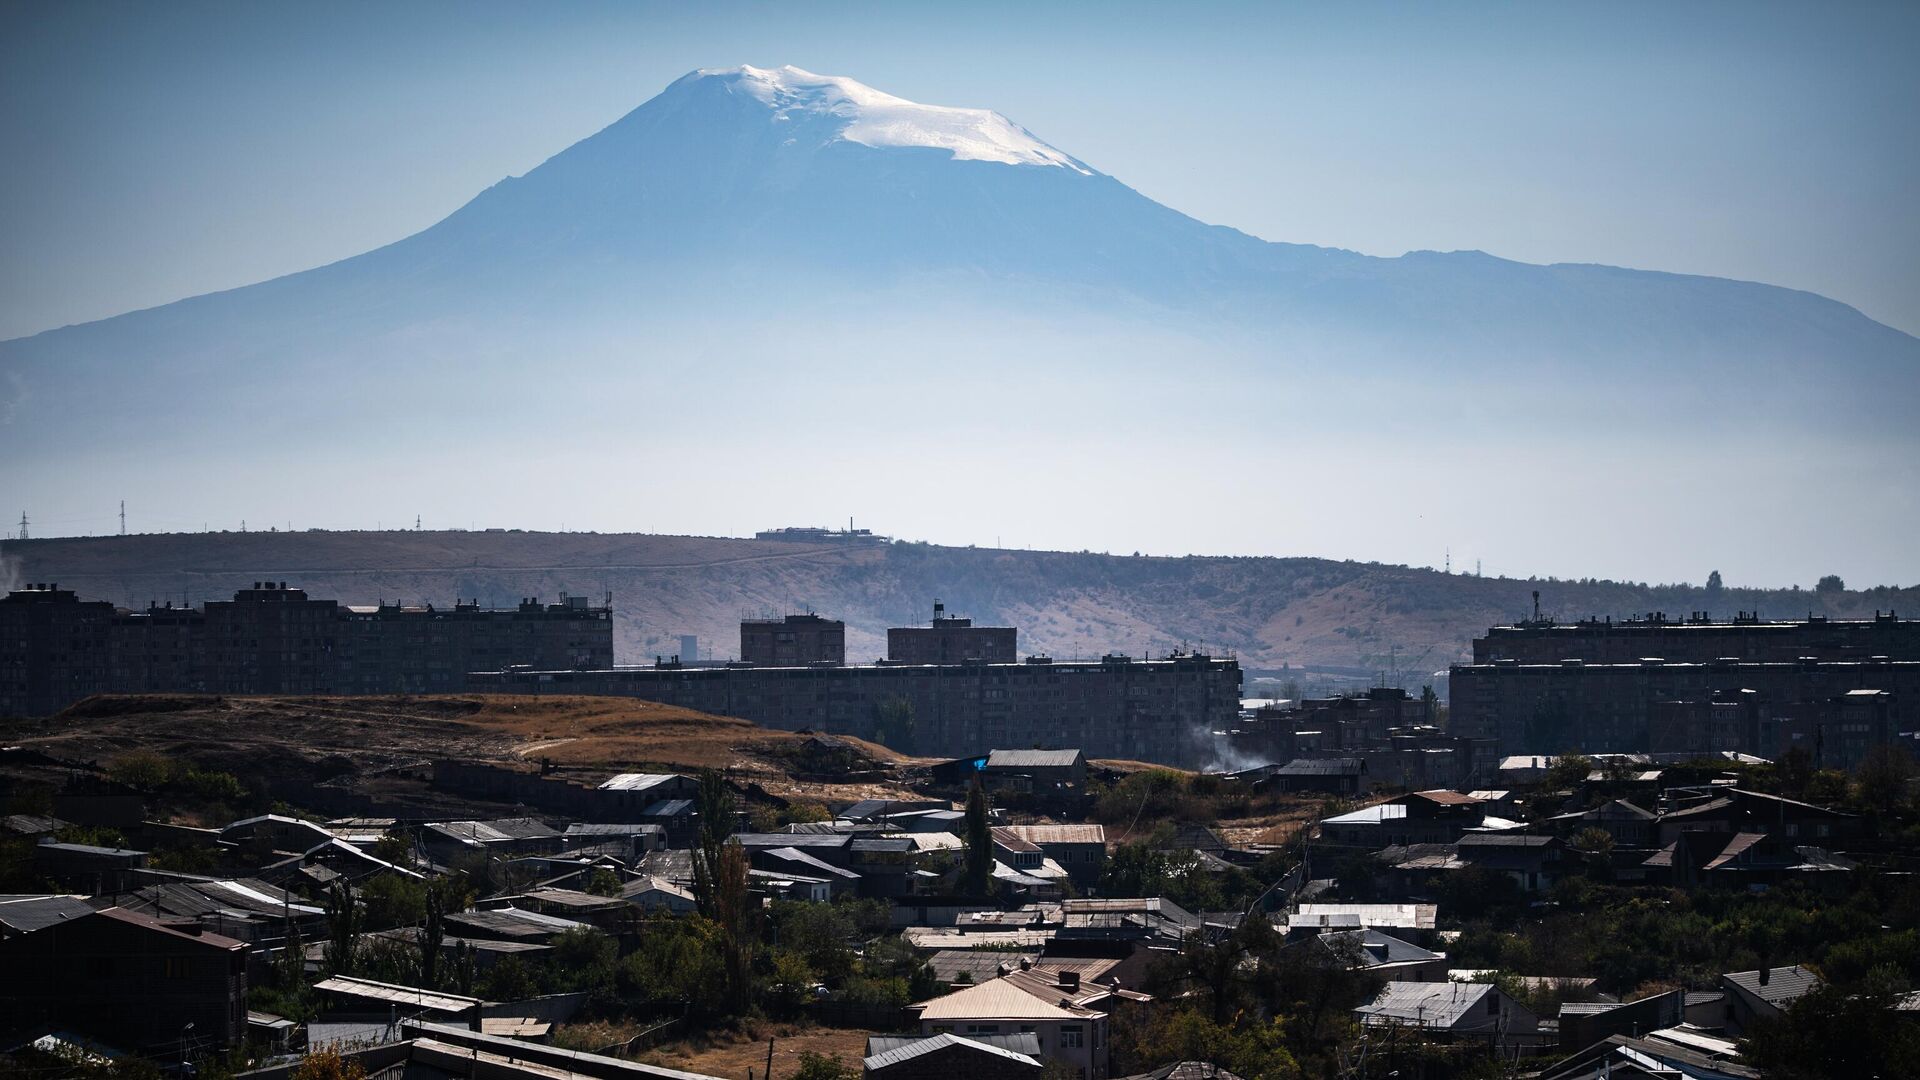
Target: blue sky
(159, 151)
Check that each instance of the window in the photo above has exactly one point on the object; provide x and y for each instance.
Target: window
(1071, 1037)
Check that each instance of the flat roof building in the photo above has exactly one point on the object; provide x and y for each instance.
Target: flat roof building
(793, 641)
(952, 640)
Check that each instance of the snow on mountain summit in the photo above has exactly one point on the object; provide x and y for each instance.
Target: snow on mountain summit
(857, 113)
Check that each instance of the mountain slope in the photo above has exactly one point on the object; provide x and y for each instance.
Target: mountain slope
(758, 249)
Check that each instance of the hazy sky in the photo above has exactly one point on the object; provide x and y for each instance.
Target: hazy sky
(155, 151)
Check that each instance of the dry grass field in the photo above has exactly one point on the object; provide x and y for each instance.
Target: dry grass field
(319, 737)
(731, 1054)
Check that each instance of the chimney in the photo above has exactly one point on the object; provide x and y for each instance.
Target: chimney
(1070, 980)
(1765, 974)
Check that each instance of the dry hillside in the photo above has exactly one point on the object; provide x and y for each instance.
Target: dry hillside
(357, 739)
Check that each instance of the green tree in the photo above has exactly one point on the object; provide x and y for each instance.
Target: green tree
(1830, 584)
(394, 900)
(1568, 771)
(1839, 1031)
(602, 882)
(444, 895)
(979, 867)
(678, 962)
(344, 915)
(736, 910)
(1255, 1050)
(1713, 585)
(717, 808)
(583, 961)
(1593, 839)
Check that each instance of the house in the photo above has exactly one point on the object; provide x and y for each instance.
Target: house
(679, 818)
(658, 894)
(1682, 1052)
(1583, 1024)
(1328, 776)
(1733, 810)
(840, 881)
(511, 924)
(1068, 1034)
(1423, 817)
(1033, 770)
(1534, 863)
(1383, 955)
(245, 909)
(1079, 849)
(625, 842)
(946, 1055)
(1628, 824)
(1753, 996)
(88, 867)
(800, 887)
(621, 797)
(605, 912)
(446, 841)
(350, 995)
(1316, 917)
(1020, 865)
(1470, 1010)
(1746, 860)
(1121, 918)
(275, 832)
(125, 976)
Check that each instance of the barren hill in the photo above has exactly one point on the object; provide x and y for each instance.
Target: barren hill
(1328, 617)
(354, 742)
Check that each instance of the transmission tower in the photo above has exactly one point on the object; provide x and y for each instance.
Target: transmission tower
(23, 524)
(123, 517)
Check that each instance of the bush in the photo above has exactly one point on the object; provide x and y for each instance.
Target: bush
(821, 1067)
(142, 770)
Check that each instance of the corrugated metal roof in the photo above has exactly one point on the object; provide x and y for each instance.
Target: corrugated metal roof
(1369, 815)
(1057, 834)
(1033, 759)
(1024, 1042)
(999, 999)
(1341, 766)
(25, 913)
(1783, 985)
(1443, 797)
(392, 993)
(919, 1047)
(636, 781)
(1416, 916)
(1426, 1004)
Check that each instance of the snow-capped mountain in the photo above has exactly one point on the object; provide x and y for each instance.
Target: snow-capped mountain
(754, 241)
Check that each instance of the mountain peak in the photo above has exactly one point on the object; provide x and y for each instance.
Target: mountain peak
(837, 108)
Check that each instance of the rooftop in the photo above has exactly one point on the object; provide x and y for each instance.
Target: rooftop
(999, 999)
(907, 1050)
